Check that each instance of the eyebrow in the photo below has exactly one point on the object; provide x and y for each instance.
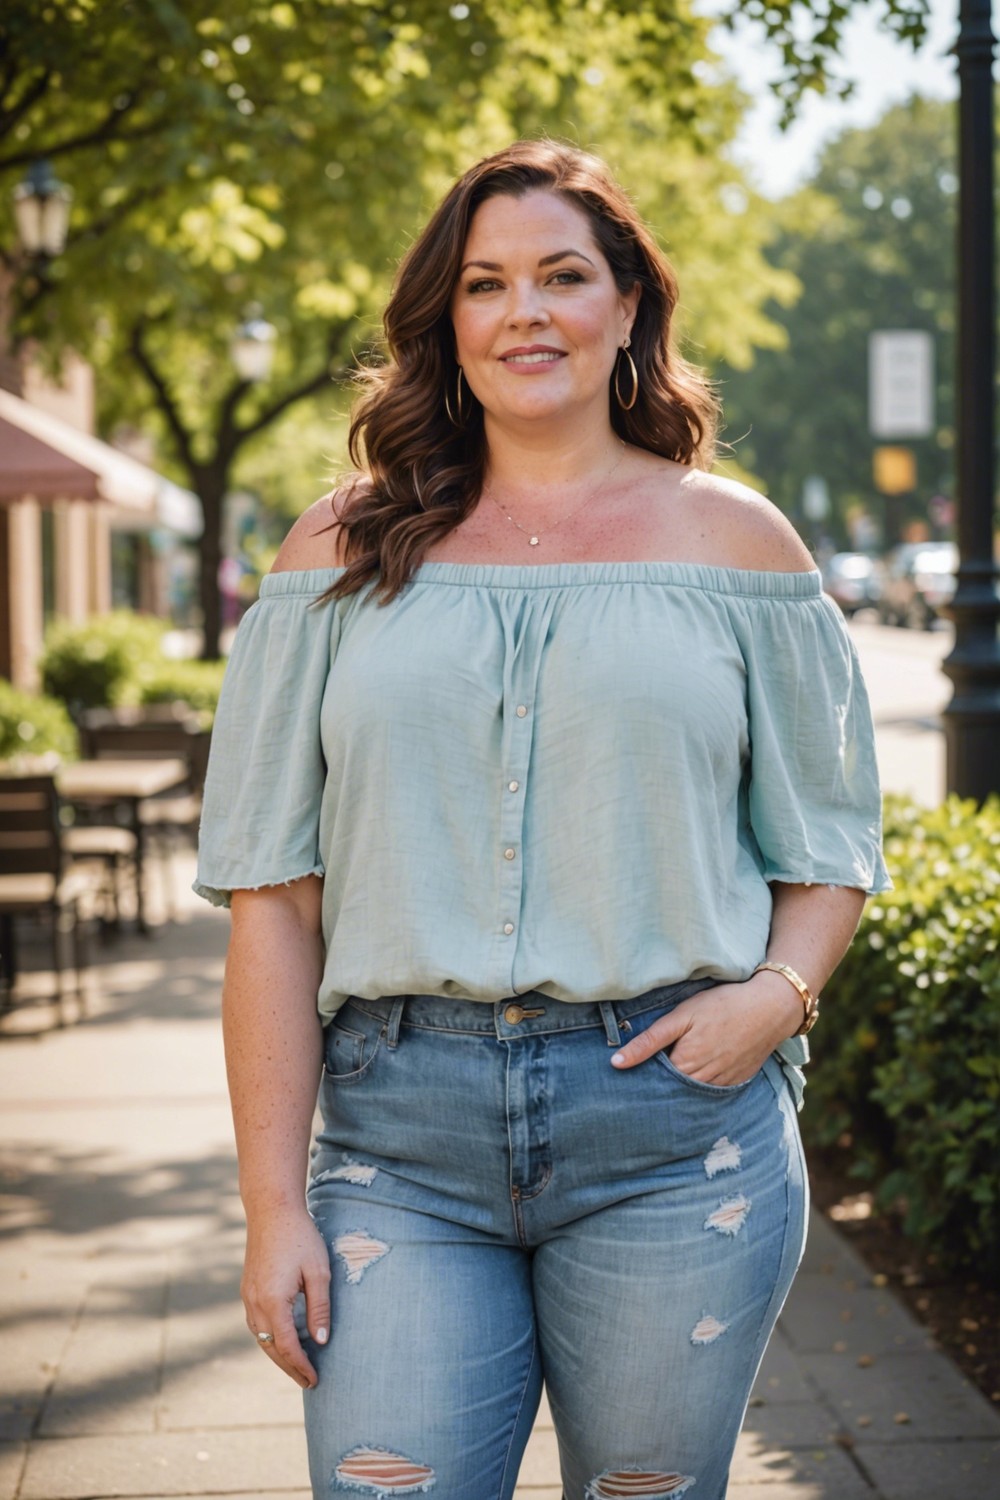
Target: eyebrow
(547, 260)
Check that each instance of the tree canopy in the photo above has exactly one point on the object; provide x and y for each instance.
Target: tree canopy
(226, 154)
(872, 241)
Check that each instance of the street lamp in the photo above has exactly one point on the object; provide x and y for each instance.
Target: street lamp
(41, 209)
(972, 718)
(252, 347)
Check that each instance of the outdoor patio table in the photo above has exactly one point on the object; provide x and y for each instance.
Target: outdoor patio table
(89, 782)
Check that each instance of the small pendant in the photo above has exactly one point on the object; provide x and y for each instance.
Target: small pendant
(533, 540)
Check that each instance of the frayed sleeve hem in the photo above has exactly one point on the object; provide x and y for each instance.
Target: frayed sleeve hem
(222, 895)
(872, 884)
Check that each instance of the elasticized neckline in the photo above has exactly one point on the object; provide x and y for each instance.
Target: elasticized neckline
(764, 585)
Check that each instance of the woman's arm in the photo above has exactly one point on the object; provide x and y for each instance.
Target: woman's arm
(811, 929)
(724, 1034)
(273, 1045)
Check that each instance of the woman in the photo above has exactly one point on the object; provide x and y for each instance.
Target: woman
(524, 764)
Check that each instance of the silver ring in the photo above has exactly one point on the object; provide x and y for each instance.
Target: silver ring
(265, 1338)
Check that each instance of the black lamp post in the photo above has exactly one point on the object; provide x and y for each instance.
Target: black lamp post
(41, 217)
(972, 718)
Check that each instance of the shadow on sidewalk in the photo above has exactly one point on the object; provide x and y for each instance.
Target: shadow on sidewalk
(60, 1190)
(173, 973)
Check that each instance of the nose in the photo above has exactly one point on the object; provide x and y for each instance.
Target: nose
(526, 306)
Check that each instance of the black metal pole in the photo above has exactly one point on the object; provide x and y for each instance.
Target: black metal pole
(972, 718)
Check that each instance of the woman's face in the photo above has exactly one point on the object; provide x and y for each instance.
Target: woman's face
(538, 318)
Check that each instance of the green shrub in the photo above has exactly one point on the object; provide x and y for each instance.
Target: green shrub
(103, 662)
(31, 726)
(194, 682)
(908, 1062)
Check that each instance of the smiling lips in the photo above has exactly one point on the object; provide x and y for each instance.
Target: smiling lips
(532, 357)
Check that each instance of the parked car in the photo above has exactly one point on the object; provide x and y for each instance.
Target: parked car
(847, 578)
(914, 582)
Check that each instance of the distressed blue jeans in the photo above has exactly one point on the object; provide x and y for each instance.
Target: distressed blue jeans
(503, 1207)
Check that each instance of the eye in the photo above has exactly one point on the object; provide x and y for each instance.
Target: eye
(485, 284)
(567, 278)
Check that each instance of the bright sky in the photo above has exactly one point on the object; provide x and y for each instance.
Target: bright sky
(885, 72)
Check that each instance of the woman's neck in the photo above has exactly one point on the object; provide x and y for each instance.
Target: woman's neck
(548, 466)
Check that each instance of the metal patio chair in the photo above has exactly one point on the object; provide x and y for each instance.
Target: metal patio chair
(38, 882)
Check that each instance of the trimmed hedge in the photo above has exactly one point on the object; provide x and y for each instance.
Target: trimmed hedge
(907, 1063)
(195, 682)
(116, 660)
(104, 661)
(32, 726)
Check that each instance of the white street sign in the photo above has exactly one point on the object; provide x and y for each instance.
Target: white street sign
(901, 383)
(816, 497)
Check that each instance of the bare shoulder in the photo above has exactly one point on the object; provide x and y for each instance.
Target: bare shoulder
(316, 539)
(739, 528)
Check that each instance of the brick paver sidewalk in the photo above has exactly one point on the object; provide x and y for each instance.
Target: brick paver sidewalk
(127, 1369)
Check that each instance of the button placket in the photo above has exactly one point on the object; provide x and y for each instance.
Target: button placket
(516, 751)
(526, 621)
(511, 850)
(516, 745)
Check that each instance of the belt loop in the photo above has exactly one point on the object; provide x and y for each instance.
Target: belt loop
(610, 1023)
(395, 1020)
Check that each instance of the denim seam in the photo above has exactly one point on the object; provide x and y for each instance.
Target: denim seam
(342, 1080)
(567, 1025)
(768, 1321)
(526, 1195)
(422, 1026)
(517, 1417)
(698, 1085)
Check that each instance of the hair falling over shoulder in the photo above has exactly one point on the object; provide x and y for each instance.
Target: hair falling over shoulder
(419, 474)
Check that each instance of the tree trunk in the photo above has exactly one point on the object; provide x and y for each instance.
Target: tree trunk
(211, 489)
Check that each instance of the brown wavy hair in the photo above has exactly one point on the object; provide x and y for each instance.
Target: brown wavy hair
(419, 474)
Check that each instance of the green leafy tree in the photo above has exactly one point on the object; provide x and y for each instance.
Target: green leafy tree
(225, 155)
(871, 239)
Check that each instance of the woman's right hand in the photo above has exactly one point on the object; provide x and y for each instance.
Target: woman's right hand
(286, 1255)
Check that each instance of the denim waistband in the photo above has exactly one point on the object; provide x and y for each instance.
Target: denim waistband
(528, 1014)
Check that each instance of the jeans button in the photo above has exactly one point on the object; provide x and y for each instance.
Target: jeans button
(513, 1014)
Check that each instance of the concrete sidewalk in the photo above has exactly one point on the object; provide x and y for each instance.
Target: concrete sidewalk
(127, 1369)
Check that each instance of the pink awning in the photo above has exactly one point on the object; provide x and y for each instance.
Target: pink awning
(30, 467)
(47, 459)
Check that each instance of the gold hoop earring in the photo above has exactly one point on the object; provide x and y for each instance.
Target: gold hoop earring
(627, 405)
(458, 421)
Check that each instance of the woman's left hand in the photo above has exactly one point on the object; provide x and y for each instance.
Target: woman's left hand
(721, 1035)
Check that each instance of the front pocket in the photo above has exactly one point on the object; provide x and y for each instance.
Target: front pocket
(347, 1054)
(718, 1090)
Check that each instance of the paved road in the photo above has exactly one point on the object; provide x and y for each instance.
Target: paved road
(908, 690)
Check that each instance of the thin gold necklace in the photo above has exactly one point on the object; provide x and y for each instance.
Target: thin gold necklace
(535, 536)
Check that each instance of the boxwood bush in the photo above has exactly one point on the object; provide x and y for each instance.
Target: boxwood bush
(194, 682)
(103, 661)
(906, 1066)
(32, 727)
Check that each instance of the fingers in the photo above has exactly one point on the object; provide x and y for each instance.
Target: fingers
(662, 1033)
(317, 1287)
(723, 1035)
(286, 1352)
(286, 1256)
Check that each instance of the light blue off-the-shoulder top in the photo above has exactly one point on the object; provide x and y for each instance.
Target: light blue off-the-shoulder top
(577, 777)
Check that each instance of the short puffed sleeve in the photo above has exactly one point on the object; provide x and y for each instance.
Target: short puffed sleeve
(266, 772)
(814, 803)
